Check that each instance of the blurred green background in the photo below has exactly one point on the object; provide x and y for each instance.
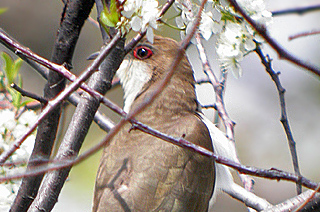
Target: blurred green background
(252, 101)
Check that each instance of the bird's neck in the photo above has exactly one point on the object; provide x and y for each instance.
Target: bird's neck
(177, 98)
(132, 81)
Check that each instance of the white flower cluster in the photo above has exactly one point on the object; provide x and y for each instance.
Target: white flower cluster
(210, 19)
(140, 15)
(233, 43)
(10, 130)
(235, 38)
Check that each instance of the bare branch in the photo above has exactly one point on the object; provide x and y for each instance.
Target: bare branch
(284, 118)
(313, 198)
(221, 109)
(28, 94)
(282, 52)
(202, 81)
(209, 106)
(293, 203)
(299, 10)
(78, 128)
(304, 34)
(73, 17)
(273, 173)
(102, 121)
(228, 123)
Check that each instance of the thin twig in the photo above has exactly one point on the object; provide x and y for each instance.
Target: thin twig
(282, 52)
(102, 121)
(202, 81)
(272, 173)
(209, 106)
(299, 10)
(304, 34)
(284, 118)
(28, 94)
(228, 123)
(221, 109)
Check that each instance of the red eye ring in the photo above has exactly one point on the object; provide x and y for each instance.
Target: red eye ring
(142, 52)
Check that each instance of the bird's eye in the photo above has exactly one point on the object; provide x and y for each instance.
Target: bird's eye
(142, 52)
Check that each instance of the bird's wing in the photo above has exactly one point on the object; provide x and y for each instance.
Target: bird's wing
(154, 175)
(224, 180)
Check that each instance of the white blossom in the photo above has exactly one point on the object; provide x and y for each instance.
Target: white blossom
(27, 118)
(257, 11)
(233, 43)
(140, 15)
(10, 130)
(5, 200)
(206, 25)
(235, 38)
(7, 120)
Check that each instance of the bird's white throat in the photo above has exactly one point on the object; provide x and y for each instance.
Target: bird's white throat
(133, 75)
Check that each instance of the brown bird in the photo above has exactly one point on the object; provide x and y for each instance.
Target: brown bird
(139, 172)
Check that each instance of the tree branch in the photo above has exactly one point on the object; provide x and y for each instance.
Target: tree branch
(282, 52)
(284, 118)
(78, 128)
(73, 17)
(293, 203)
(299, 10)
(28, 94)
(304, 34)
(273, 173)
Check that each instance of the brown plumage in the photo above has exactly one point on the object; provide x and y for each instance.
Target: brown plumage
(139, 172)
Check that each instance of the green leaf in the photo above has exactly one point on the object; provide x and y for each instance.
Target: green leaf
(115, 16)
(17, 65)
(226, 15)
(7, 66)
(18, 96)
(15, 96)
(2, 82)
(106, 19)
(3, 9)
(11, 68)
(110, 17)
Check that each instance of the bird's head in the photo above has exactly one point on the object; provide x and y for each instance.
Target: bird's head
(148, 63)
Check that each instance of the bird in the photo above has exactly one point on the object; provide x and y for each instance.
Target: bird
(139, 172)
